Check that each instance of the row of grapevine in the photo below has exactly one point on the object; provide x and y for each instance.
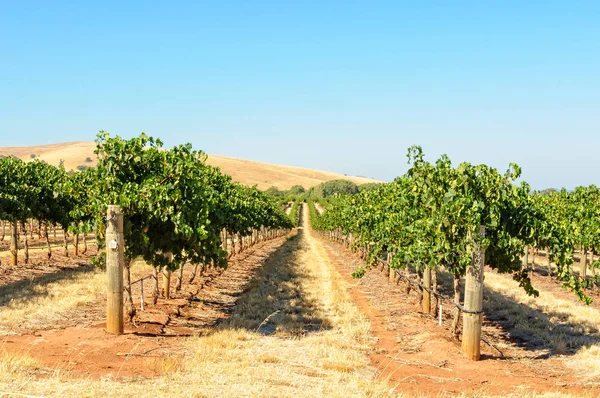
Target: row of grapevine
(177, 209)
(577, 215)
(34, 190)
(295, 213)
(432, 217)
(47, 235)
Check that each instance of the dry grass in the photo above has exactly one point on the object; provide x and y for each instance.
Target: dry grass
(284, 177)
(523, 394)
(563, 327)
(40, 303)
(244, 171)
(73, 153)
(207, 379)
(13, 365)
(45, 301)
(295, 333)
(315, 344)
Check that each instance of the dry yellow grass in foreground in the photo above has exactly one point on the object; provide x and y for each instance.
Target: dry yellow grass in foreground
(566, 326)
(43, 302)
(40, 303)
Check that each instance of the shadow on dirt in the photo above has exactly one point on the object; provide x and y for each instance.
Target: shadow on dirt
(33, 287)
(544, 333)
(272, 300)
(276, 304)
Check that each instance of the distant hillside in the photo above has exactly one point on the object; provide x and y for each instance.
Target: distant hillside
(247, 172)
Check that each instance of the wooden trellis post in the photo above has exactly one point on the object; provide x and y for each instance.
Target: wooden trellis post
(115, 261)
(583, 263)
(166, 280)
(427, 290)
(14, 243)
(473, 317)
(392, 274)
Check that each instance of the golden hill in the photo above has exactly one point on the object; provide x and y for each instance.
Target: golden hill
(247, 172)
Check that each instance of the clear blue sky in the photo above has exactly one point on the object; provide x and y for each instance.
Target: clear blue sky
(342, 86)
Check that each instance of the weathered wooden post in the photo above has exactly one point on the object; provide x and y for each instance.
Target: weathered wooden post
(392, 275)
(25, 242)
(115, 261)
(76, 244)
(166, 280)
(434, 288)
(583, 263)
(472, 318)
(66, 242)
(14, 243)
(525, 257)
(427, 290)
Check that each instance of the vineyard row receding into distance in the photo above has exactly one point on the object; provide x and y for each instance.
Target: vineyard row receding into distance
(176, 208)
(438, 217)
(169, 208)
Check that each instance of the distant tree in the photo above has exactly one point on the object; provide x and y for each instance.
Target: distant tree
(32, 156)
(330, 188)
(297, 190)
(82, 167)
(274, 191)
(88, 159)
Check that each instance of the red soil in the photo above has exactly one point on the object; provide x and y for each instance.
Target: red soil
(80, 347)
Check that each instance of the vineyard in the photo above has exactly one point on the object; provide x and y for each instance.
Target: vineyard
(456, 220)
(178, 209)
(175, 279)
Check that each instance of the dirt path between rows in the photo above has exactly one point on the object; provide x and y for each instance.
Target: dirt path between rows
(294, 296)
(421, 357)
(78, 345)
(277, 323)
